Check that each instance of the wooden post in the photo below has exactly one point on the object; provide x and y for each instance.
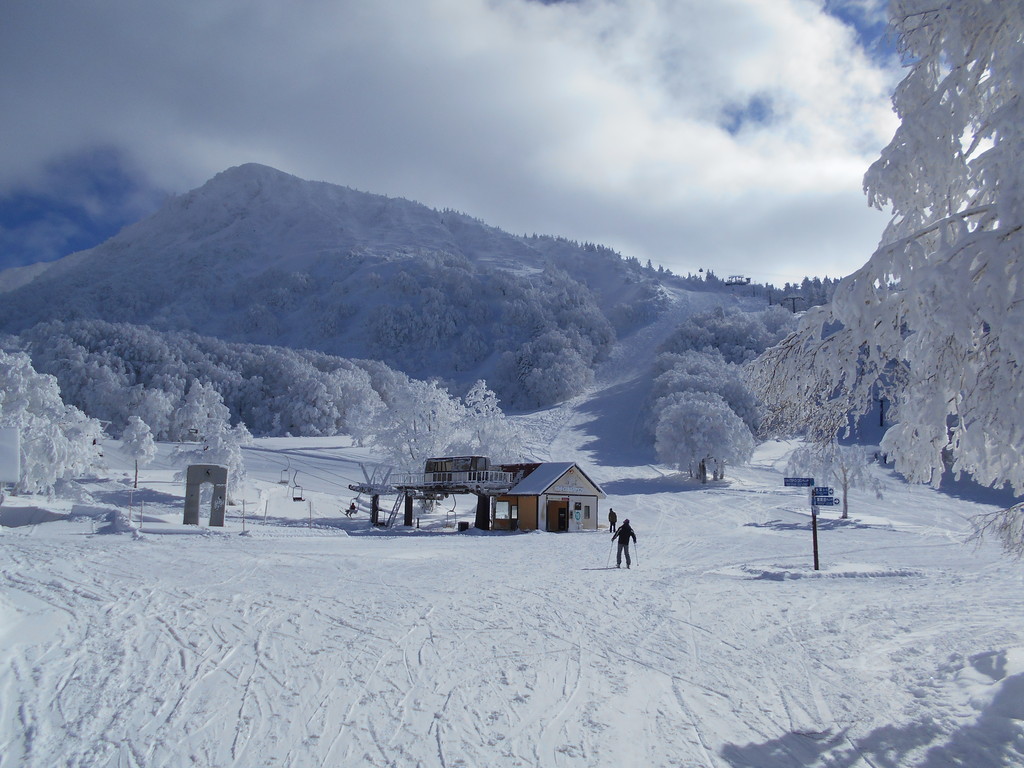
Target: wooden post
(408, 510)
(375, 509)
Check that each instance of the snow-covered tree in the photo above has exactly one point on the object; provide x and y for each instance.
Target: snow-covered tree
(202, 414)
(220, 444)
(153, 406)
(422, 420)
(935, 318)
(1006, 525)
(138, 443)
(698, 430)
(204, 422)
(842, 466)
(737, 336)
(704, 372)
(115, 370)
(488, 431)
(550, 368)
(58, 441)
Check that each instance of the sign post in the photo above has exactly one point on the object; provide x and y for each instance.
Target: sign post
(814, 535)
(808, 482)
(821, 496)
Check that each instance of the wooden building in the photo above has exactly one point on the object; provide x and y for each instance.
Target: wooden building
(548, 496)
(552, 496)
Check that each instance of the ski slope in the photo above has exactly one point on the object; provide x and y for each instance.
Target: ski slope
(308, 639)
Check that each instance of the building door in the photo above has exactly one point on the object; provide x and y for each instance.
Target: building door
(558, 515)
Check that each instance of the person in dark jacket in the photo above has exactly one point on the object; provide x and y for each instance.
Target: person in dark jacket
(612, 518)
(624, 534)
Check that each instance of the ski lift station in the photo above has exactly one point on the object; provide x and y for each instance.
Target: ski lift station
(546, 496)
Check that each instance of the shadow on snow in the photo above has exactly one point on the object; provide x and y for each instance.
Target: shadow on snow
(614, 425)
(824, 524)
(677, 483)
(992, 740)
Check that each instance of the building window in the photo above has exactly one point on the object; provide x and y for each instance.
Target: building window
(586, 511)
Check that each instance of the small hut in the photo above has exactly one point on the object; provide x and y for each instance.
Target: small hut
(551, 496)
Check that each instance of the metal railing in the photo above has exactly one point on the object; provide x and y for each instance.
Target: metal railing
(484, 478)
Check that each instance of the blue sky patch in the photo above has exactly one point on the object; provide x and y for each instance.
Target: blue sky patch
(869, 20)
(756, 111)
(80, 201)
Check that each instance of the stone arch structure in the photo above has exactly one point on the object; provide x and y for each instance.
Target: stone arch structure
(198, 475)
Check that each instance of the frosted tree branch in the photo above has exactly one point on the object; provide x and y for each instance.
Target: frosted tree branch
(933, 321)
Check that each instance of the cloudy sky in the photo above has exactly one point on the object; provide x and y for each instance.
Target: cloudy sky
(723, 134)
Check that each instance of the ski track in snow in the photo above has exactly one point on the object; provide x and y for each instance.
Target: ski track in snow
(333, 645)
(721, 648)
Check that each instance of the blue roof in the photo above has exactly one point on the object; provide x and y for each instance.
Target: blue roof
(546, 475)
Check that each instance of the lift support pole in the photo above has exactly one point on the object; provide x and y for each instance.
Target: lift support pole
(483, 512)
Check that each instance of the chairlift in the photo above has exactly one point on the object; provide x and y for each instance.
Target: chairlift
(737, 280)
(449, 516)
(284, 477)
(297, 493)
(353, 507)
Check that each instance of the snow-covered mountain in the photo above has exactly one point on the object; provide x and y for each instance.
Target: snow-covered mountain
(256, 255)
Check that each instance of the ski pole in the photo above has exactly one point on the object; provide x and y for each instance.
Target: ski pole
(608, 564)
(637, 553)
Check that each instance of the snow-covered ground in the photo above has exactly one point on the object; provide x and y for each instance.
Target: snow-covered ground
(309, 639)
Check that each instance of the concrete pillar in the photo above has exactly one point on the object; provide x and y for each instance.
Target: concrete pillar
(196, 476)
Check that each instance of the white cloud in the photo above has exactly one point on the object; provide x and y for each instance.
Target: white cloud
(603, 120)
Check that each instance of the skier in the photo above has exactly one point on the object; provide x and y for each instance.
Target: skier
(624, 534)
(612, 517)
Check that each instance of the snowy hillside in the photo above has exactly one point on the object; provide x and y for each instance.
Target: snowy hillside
(296, 636)
(256, 255)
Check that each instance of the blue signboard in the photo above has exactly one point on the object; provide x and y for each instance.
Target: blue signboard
(826, 501)
(822, 490)
(798, 481)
